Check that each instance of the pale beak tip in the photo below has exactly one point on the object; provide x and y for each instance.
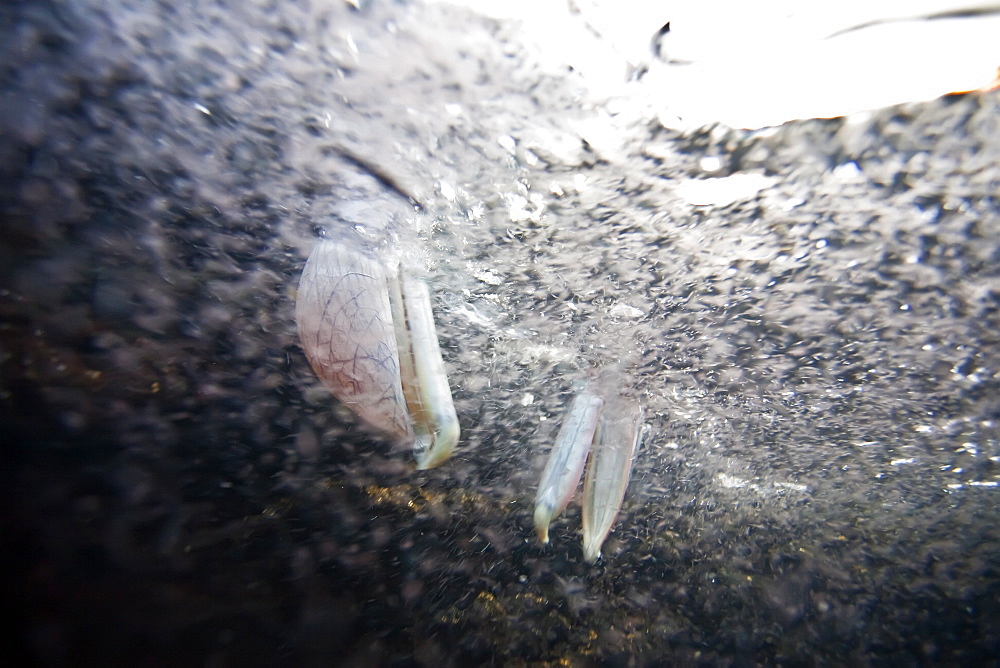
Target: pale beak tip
(543, 515)
(591, 553)
(441, 447)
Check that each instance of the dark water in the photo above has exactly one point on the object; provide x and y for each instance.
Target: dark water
(818, 361)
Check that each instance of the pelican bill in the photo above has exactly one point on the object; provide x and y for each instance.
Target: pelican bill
(617, 439)
(369, 335)
(564, 467)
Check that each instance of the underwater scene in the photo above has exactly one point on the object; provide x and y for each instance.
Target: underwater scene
(359, 333)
